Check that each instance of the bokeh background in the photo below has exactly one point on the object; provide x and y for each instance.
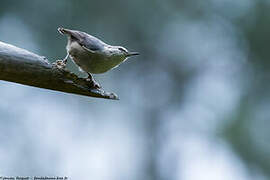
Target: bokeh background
(194, 105)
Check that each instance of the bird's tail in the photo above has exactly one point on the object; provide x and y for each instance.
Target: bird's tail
(75, 35)
(64, 31)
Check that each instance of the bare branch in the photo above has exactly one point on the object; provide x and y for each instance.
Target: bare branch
(24, 67)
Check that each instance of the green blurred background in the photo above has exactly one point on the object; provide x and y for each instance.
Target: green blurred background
(194, 105)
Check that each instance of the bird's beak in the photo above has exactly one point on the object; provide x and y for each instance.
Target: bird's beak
(132, 54)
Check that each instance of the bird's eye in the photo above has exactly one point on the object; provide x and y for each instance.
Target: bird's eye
(122, 49)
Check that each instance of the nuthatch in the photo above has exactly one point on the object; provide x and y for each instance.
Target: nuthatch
(91, 54)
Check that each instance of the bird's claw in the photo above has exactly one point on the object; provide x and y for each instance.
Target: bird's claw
(93, 83)
(60, 64)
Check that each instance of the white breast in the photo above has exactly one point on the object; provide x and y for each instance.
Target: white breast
(94, 63)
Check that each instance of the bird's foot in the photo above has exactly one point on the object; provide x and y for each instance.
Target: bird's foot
(60, 64)
(93, 83)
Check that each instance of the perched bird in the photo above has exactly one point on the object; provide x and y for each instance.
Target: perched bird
(92, 55)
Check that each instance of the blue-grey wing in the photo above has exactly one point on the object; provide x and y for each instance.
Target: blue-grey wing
(87, 41)
(90, 42)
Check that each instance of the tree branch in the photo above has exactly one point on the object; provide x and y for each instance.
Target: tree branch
(24, 67)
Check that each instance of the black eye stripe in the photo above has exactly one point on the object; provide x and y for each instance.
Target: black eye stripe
(121, 49)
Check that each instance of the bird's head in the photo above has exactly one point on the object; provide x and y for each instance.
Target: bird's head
(123, 52)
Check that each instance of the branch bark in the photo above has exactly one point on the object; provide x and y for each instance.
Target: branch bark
(24, 67)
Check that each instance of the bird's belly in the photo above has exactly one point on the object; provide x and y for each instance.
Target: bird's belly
(94, 64)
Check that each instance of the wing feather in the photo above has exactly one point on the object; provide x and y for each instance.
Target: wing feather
(88, 42)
